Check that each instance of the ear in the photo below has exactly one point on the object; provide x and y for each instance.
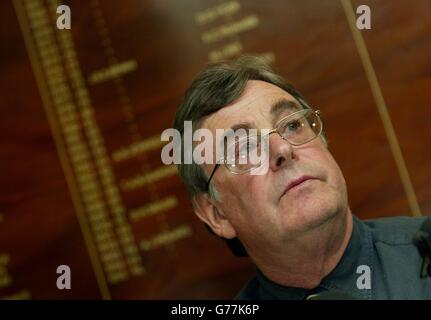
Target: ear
(208, 210)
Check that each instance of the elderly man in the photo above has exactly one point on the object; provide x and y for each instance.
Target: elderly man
(294, 220)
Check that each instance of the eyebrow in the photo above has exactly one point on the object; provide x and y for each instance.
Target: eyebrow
(277, 109)
(283, 105)
(242, 125)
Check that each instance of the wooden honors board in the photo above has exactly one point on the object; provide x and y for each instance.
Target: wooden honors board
(82, 110)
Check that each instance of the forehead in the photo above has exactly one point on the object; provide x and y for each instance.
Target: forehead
(253, 105)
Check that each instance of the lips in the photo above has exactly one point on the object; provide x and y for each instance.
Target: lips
(296, 182)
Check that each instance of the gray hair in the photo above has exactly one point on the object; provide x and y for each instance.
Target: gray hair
(213, 88)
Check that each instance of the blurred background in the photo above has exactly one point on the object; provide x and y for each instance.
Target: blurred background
(82, 110)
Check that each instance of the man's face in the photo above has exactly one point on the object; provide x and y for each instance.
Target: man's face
(258, 207)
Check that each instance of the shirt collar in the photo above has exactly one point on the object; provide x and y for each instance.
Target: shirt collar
(343, 277)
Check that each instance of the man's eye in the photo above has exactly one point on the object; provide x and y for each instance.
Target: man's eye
(294, 125)
(243, 148)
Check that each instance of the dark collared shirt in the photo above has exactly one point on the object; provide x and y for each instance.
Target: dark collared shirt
(385, 246)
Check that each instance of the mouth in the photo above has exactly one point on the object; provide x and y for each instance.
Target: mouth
(297, 182)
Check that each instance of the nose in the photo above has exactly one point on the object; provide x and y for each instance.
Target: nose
(281, 152)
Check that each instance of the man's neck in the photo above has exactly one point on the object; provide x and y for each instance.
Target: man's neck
(303, 263)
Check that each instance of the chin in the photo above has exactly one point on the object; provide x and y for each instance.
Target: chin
(322, 218)
(313, 214)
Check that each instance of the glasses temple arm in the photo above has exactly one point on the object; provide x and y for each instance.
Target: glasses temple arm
(209, 179)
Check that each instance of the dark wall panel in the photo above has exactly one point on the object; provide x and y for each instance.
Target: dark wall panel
(82, 183)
